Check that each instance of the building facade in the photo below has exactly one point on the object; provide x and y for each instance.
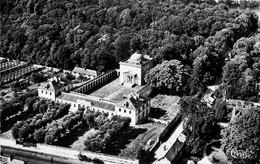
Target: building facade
(132, 71)
(77, 71)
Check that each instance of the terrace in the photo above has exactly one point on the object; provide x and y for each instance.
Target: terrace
(114, 91)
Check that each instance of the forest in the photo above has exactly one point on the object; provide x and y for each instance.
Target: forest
(98, 34)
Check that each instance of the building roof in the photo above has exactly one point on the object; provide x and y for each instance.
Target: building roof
(95, 101)
(85, 71)
(175, 148)
(138, 59)
(55, 84)
(134, 102)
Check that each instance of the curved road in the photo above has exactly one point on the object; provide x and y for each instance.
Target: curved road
(38, 158)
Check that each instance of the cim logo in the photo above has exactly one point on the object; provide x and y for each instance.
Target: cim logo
(238, 154)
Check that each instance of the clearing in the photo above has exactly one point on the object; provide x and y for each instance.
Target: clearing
(165, 107)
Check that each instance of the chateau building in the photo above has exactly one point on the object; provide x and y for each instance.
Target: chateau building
(132, 71)
(134, 105)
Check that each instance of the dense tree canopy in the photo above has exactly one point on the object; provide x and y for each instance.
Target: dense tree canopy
(241, 73)
(243, 134)
(200, 125)
(97, 34)
(169, 75)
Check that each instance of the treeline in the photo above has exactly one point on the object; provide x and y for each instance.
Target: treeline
(202, 126)
(98, 34)
(241, 74)
(59, 128)
(107, 131)
(201, 123)
(16, 105)
(48, 111)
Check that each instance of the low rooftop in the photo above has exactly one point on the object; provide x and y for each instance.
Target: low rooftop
(114, 91)
(95, 101)
(55, 84)
(86, 71)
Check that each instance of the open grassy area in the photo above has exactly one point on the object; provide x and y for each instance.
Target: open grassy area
(76, 138)
(128, 143)
(165, 107)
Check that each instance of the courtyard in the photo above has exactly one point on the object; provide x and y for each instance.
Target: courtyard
(114, 91)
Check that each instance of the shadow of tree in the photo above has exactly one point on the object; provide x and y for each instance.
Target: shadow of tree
(120, 141)
(157, 112)
(73, 136)
(8, 124)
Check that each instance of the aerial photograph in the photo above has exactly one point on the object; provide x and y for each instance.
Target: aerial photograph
(129, 81)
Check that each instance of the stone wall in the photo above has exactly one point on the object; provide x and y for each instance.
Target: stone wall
(96, 82)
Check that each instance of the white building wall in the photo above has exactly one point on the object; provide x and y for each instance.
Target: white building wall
(132, 69)
(125, 112)
(46, 94)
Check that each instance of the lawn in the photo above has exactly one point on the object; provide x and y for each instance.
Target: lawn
(128, 143)
(165, 107)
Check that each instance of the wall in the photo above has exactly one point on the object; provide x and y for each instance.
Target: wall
(86, 104)
(104, 157)
(44, 95)
(99, 80)
(67, 152)
(146, 90)
(127, 114)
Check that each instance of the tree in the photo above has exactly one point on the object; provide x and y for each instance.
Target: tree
(200, 125)
(37, 77)
(16, 129)
(243, 135)
(170, 75)
(49, 139)
(39, 135)
(24, 131)
(221, 110)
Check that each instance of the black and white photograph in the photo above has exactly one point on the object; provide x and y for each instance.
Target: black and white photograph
(129, 81)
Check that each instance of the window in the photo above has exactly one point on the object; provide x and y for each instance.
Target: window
(119, 109)
(112, 114)
(129, 112)
(50, 93)
(42, 91)
(124, 111)
(46, 93)
(74, 105)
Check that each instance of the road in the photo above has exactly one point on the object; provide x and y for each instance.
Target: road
(38, 158)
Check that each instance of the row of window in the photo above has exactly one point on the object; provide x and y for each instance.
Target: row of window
(83, 106)
(124, 111)
(46, 93)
